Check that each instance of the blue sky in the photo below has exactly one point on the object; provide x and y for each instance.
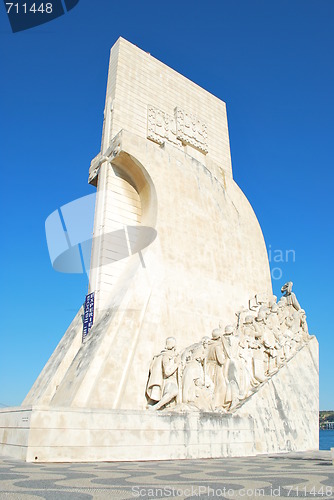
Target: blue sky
(270, 61)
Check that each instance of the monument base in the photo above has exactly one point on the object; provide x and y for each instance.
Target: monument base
(282, 416)
(79, 435)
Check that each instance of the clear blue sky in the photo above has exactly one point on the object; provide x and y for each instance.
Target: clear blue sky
(270, 61)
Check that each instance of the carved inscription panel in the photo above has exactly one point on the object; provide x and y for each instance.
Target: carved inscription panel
(190, 130)
(180, 129)
(161, 127)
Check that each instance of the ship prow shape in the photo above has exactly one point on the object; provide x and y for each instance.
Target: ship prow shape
(176, 248)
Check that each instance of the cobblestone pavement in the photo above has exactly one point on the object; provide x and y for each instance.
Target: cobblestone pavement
(299, 475)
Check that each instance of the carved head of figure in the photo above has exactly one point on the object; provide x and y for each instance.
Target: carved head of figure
(289, 321)
(199, 354)
(273, 301)
(302, 315)
(287, 288)
(216, 334)
(261, 317)
(228, 330)
(205, 341)
(170, 343)
(274, 308)
(249, 320)
(265, 310)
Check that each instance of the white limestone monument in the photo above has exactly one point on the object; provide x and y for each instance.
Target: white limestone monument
(190, 355)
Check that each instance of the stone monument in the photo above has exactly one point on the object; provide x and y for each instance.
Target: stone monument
(190, 355)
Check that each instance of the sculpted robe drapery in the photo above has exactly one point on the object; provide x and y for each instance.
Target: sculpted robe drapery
(155, 379)
(215, 370)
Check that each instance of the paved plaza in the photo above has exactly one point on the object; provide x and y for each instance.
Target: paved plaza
(298, 475)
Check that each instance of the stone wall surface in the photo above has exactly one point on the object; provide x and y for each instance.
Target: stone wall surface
(147, 98)
(136, 81)
(285, 410)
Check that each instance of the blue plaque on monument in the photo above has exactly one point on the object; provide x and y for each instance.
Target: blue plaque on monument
(88, 314)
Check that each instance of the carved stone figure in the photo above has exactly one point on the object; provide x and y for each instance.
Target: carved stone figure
(304, 327)
(231, 366)
(215, 368)
(260, 324)
(241, 315)
(289, 297)
(197, 388)
(272, 302)
(248, 325)
(258, 348)
(273, 323)
(218, 373)
(293, 331)
(264, 312)
(247, 353)
(193, 371)
(162, 385)
(270, 352)
(246, 360)
(283, 311)
(189, 352)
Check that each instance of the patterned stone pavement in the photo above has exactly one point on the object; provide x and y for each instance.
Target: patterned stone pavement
(299, 475)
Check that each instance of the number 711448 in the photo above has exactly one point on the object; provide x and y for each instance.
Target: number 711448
(34, 8)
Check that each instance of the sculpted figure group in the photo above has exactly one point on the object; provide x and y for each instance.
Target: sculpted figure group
(218, 373)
